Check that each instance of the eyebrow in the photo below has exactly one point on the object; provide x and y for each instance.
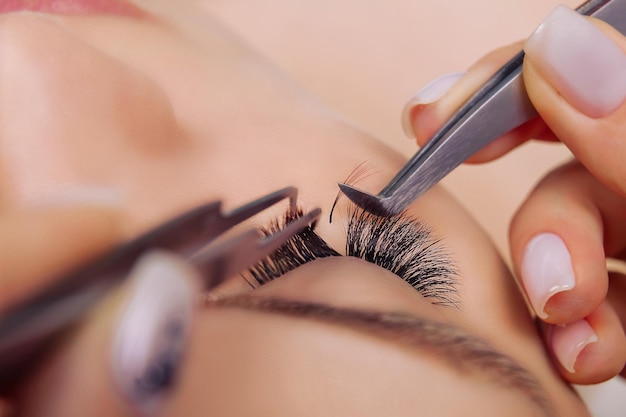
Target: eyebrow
(458, 348)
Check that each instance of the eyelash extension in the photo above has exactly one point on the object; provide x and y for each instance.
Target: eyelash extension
(361, 172)
(304, 247)
(406, 247)
(400, 244)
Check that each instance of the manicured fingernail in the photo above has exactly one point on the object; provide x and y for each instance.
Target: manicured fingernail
(569, 340)
(586, 67)
(153, 330)
(546, 270)
(432, 92)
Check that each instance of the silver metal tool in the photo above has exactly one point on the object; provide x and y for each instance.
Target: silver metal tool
(499, 106)
(28, 329)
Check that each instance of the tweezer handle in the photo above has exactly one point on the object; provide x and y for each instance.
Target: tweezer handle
(497, 107)
(501, 105)
(27, 330)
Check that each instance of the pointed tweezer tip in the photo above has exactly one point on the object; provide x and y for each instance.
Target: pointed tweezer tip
(293, 228)
(274, 241)
(368, 202)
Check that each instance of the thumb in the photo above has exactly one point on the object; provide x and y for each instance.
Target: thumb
(575, 75)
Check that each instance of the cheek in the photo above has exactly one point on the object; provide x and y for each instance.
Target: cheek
(492, 305)
(77, 379)
(71, 114)
(489, 296)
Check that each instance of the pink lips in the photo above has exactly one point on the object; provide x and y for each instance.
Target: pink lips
(76, 7)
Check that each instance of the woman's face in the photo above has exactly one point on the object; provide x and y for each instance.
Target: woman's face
(166, 106)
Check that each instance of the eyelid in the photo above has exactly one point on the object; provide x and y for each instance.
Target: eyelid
(400, 244)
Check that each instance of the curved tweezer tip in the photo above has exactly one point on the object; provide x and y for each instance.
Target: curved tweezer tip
(498, 106)
(376, 205)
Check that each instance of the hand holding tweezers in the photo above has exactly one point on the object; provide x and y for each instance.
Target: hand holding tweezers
(499, 106)
(27, 329)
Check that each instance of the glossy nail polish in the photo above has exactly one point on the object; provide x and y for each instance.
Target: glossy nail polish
(546, 270)
(430, 93)
(583, 64)
(570, 340)
(153, 330)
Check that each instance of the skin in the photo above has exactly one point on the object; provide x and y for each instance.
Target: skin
(158, 126)
(389, 50)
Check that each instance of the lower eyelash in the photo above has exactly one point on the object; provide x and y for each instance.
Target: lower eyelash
(399, 244)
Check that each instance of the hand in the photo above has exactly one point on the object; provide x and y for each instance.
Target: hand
(575, 75)
(127, 335)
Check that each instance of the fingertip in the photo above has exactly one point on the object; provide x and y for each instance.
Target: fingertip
(591, 350)
(558, 246)
(559, 289)
(580, 61)
(574, 75)
(427, 111)
(152, 334)
(129, 347)
(425, 120)
(570, 340)
(412, 117)
(546, 270)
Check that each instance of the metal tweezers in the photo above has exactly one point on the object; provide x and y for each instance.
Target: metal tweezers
(27, 330)
(499, 106)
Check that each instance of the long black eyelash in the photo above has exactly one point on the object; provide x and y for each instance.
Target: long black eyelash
(406, 247)
(362, 171)
(399, 244)
(304, 247)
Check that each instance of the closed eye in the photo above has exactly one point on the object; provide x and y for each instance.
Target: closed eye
(401, 244)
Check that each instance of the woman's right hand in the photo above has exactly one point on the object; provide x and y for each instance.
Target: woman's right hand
(575, 218)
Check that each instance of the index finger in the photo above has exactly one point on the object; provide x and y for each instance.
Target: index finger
(422, 118)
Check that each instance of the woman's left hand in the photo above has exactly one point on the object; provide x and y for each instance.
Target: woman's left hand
(561, 236)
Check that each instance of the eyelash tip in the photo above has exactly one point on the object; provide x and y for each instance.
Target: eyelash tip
(337, 198)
